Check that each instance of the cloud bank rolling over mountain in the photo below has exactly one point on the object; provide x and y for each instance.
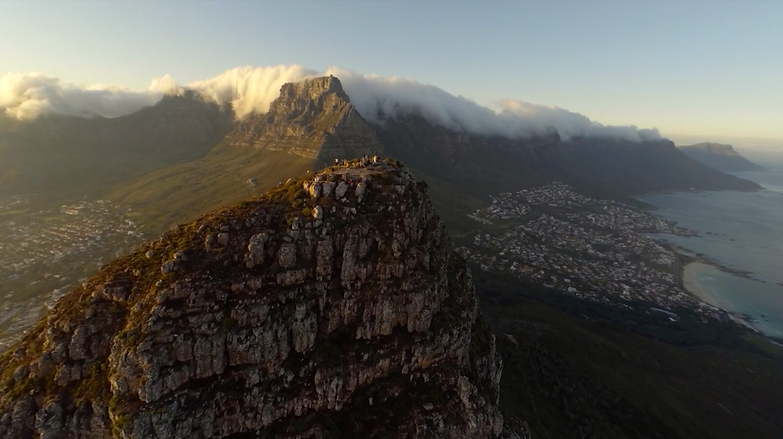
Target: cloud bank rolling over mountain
(251, 90)
(29, 95)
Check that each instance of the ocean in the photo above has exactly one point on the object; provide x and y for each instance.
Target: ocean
(742, 231)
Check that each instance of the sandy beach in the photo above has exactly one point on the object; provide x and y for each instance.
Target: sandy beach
(690, 276)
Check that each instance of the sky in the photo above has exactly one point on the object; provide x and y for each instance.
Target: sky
(689, 68)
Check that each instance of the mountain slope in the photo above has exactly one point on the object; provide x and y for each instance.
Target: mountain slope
(314, 119)
(719, 156)
(226, 175)
(609, 166)
(464, 169)
(575, 369)
(313, 122)
(63, 154)
(330, 307)
(309, 125)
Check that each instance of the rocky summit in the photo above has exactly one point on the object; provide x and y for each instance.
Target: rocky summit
(332, 306)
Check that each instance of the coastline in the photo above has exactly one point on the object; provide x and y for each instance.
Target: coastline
(692, 257)
(694, 191)
(690, 283)
(690, 274)
(717, 284)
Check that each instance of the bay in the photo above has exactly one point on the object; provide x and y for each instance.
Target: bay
(742, 231)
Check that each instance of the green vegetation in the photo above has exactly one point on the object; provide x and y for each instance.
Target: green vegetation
(183, 192)
(12, 212)
(576, 369)
(95, 386)
(60, 155)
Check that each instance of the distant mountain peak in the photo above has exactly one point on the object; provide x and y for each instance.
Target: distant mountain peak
(719, 156)
(713, 147)
(313, 118)
(186, 99)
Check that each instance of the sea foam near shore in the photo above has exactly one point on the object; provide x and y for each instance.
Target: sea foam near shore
(690, 281)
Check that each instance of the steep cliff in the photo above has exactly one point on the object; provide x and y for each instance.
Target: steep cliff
(332, 306)
(602, 167)
(312, 118)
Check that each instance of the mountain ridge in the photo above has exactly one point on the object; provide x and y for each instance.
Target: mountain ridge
(314, 121)
(552, 385)
(67, 153)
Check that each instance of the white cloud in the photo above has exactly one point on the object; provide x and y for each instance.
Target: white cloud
(376, 96)
(29, 95)
(252, 89)
(165, 85)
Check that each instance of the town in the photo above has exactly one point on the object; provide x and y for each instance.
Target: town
(45, 252)
(592, 249)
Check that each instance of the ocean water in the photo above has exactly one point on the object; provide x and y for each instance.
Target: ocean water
(742, 231)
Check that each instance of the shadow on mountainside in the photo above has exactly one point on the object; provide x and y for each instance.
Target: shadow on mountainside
(575, 369)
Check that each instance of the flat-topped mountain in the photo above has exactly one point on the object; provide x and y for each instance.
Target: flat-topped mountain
(719, 156)
(313, 119)
(313, 122)
(332, 306)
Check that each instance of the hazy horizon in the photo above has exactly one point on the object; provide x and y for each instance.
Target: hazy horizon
(738, 142)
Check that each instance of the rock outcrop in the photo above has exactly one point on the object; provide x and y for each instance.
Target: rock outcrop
(313, 119)
(333, 306)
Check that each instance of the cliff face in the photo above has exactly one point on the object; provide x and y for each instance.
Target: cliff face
(629, 168)
(312, 118)
(411, 133)
(333, 305)
(603, 167)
